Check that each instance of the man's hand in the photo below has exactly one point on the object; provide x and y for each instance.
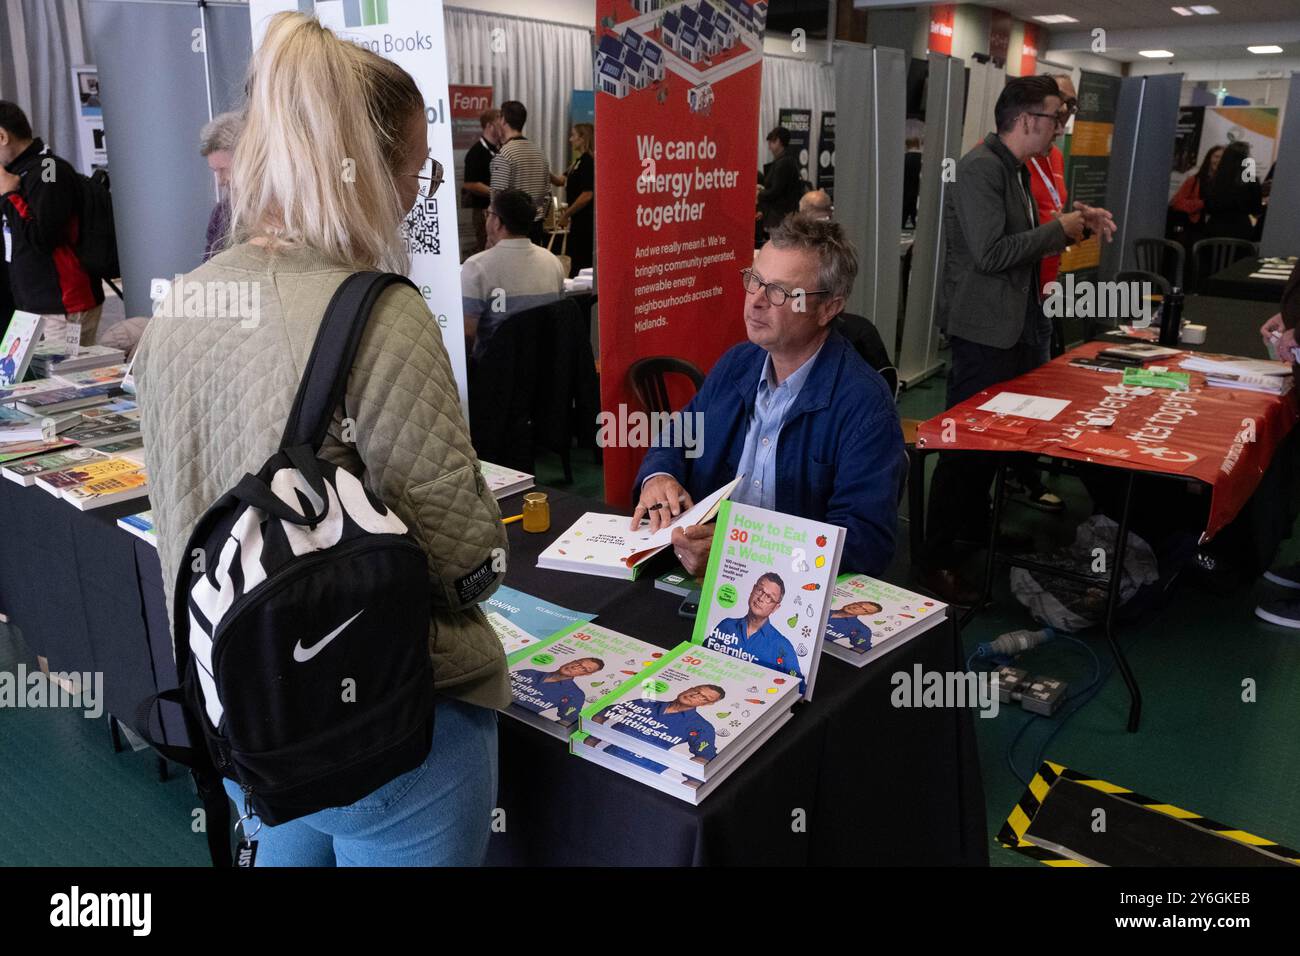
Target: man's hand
(1274, 326)
(1099, 220)
(668, 494)
(692, 548)
(562, 218)
(1072, 223)
(8, 181)
(1284, 346)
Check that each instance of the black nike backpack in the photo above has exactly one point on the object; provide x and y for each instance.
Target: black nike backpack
(301, 619)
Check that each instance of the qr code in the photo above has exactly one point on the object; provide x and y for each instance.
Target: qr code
(420, 229)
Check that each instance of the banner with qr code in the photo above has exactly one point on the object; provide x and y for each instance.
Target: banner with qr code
(677, 97)
(410, 33)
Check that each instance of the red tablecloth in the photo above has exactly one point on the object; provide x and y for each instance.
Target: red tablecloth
(1223, 437)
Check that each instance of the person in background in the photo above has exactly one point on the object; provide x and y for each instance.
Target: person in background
(580, 194)
(816, 204)
(1279, 333)
(512, 275)
(990, 302)
(41, 197)
(520, 164)
(1190, 198)
(478, 175)
(217, 141)
(1234, 195)
(912, 171)
(213, 407)
(795, 410)
(778, 196)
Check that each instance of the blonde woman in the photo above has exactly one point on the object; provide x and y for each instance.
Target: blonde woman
(580, 194)
(332, 156)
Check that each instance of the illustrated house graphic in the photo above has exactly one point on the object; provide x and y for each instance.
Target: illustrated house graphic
(611, 74)
(633, 40)
(646, 6)
(652, 61)
(709, 45)
(688, 44)
(632, 69)
(671, 29)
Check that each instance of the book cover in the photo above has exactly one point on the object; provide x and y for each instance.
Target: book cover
(17, 426)
(57, 482)
(105, 375)
(60, 398)
(106, 491)
(27, 471)
(52, 357)
(767, 590)
(654, 774)
(602, 544)
(13, 451)
(554, 679)
(13, 393)
(18, 345)
(690, 708)
(678, 582)
(870, 617)
(103, 429)
(521, 620)
(504, 482)
(141, 525)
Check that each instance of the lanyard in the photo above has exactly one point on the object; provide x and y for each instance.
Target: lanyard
(1051, 186)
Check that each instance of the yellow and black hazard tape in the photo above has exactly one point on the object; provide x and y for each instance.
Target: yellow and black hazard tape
(1012, 834)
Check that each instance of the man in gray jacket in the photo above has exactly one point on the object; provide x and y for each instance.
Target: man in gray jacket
(990, 299)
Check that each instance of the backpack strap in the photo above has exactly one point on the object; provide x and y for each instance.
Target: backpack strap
(325, 379)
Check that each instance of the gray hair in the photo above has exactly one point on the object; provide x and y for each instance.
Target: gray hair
(837, 259)
(816, 201)
(221, 132)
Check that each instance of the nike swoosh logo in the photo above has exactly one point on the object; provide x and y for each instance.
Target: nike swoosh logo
(303, 654)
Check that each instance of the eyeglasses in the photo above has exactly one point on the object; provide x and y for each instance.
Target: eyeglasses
(1058, 118)
(764, 596)
(429, 183)
(776, 294)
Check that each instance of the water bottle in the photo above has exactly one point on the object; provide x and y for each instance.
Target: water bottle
(1171, 317)
(1014, 642)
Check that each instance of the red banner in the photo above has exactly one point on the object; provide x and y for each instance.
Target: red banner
(677, 94)
(942, 18)
(1029, 50)
(467, 104)
(1221, 436)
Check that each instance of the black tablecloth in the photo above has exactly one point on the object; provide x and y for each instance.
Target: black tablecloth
(850, 779)
(1235, 282)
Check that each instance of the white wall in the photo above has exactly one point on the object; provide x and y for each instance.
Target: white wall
(580, 13)
(1081, 61)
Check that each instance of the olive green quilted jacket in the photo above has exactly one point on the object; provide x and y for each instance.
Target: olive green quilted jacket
(215, 393)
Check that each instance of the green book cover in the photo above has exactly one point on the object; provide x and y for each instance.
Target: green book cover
(1151, 378)
(767, 590)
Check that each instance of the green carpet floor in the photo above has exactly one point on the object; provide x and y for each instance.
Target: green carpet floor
(69, 800)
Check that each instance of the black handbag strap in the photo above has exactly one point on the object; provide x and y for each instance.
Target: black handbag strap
(325, 379)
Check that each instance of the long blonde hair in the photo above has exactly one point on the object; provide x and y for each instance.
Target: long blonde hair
(588, 134)
(323, 137)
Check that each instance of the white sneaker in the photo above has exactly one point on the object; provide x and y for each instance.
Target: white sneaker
(1284, 612)
(1288, 577)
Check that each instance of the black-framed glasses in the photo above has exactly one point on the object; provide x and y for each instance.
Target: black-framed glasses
(776, 294)
(429, 182)
(1058, 118)
(764, 595)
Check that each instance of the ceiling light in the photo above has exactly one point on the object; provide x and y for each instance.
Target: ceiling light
(1204, 11)
(1056, 18)
(1157, 54)
(1264, 49)
(1181, 11)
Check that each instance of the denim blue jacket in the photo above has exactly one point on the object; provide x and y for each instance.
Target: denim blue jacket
(840, 456)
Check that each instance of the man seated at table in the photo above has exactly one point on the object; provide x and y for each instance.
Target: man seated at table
(539, 690)
(511, 275)
(671, 723)
(752, 637)
(796, 410)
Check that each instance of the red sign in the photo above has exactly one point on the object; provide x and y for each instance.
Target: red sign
(1222, 436)
(467, 105)
(1029, 50)
(677, 96)
(942, 18)
(999, 36)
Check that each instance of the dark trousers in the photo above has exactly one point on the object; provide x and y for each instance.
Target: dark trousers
(959, 489)
(538, 233)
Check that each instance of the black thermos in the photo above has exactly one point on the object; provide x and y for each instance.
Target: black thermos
(1171, 317)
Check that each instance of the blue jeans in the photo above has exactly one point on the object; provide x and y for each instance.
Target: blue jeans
(438, 814)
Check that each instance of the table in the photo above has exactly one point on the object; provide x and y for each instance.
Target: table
(876, 784)
(1235, 282)
(1187, 436)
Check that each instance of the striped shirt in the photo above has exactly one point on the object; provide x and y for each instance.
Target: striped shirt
(519, 164)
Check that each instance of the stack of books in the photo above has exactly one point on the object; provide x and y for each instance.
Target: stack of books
(141, 525)
(522, 620)
(870, 618)
(95, 484)
(504, 482)
(52, 358)
(1252, 375)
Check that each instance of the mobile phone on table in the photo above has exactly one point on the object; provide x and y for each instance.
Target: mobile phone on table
(690, 607)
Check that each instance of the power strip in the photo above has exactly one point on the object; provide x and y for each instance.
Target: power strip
(1040, 695)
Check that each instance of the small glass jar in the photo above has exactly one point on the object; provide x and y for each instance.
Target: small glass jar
(537, 512)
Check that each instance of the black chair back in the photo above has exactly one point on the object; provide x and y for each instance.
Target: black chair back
(1161, 256)
(1215, 255)
(866, 341)
(648, 379)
